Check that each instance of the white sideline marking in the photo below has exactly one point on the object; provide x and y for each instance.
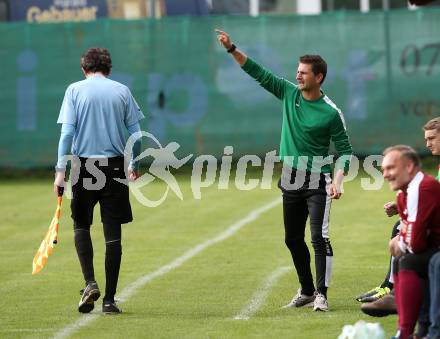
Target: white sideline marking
(131, 289)
(259, 297)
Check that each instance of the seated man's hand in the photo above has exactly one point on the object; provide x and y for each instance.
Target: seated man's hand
(390, 208)
(394, 246)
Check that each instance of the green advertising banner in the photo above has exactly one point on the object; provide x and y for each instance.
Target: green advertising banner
(384, 74)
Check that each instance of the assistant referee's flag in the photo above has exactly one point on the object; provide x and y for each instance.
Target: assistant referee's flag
(50, 238)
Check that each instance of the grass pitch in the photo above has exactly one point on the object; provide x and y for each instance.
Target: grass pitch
(200, 297)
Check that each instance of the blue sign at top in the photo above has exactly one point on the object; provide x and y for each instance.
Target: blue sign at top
(57, 10)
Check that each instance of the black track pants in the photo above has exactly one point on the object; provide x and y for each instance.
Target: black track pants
(298, 205)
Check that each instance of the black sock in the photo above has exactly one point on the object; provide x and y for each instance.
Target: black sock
(84, 249)
(388, 284)
(113, 254)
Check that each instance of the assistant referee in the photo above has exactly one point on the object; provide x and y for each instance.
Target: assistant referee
(94, 116)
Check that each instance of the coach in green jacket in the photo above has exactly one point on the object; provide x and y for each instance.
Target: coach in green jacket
(310, 121)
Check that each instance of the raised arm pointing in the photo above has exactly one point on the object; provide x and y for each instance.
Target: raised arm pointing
(226, 42)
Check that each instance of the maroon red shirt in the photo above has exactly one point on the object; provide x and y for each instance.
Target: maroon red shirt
(419, 210)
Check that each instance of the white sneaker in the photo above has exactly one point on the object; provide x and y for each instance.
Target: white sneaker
(320, 303)
(301, 300)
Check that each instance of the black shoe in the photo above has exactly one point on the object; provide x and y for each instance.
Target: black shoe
(380, 308)
(373, 295)
(88, 297)
(109, 307)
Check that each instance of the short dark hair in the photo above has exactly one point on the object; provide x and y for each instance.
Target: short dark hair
(318, 64)
(432, 124)
(96, 59)
(406, 152)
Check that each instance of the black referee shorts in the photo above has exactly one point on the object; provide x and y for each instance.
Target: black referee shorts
(97, 183)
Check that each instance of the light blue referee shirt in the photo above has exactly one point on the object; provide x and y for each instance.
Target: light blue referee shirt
(100, 110)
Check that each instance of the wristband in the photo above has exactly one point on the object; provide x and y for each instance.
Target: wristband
(232, 49)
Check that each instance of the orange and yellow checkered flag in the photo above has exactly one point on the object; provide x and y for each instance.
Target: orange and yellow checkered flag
(50, 239)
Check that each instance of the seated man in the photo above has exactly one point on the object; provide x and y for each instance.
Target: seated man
(430, 315)
(434, 289)
(374, 305)
(418, 204)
